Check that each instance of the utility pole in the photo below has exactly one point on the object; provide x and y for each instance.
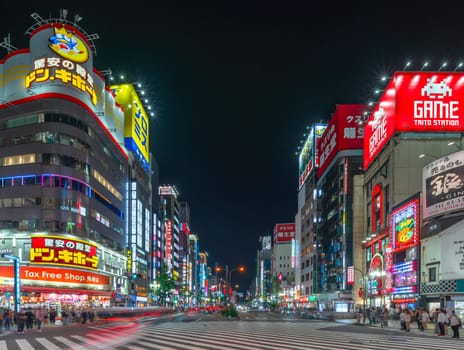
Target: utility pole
(364, 291)
(17, 280)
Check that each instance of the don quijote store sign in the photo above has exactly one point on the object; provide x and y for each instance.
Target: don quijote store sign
(415, 102)
(60, 262)
(53, 277)
(59, 65)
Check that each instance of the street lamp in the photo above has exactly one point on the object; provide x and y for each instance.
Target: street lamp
(364, 294)
(228, 281)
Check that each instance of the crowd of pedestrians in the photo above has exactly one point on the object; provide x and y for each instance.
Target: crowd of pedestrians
(438, 318)
(30, 318)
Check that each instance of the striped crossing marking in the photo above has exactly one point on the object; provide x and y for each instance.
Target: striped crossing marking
(219, 335)
(48, 344)
(24, 344)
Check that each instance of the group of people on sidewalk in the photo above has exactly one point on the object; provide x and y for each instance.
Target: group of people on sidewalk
(438, 317)
(26, 318)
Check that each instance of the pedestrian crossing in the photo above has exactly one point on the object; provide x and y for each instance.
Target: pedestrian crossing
(220, 335)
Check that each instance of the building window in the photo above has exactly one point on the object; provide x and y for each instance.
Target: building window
(433, 274)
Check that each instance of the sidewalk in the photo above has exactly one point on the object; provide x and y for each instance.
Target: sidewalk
(395, 325)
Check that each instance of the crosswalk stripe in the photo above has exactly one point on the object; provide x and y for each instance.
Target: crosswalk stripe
(48, 344)
(108, 340)
(71, 344)
(24, 344)
(134, 347)
(3, 345)
(150, 345)
(170, 342)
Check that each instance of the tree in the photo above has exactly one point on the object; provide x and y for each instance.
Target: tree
(276, 289)
(165, 284)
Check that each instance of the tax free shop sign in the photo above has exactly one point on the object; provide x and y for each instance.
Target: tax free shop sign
(415, 102)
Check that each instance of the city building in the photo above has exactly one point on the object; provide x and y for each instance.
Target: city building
(339, 188)
(170, 217)
(308, 241)
(283, 259)
(138, 191)
(64, 171)
(412, 189)
(263, 283)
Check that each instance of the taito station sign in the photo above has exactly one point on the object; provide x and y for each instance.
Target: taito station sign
(415, 102)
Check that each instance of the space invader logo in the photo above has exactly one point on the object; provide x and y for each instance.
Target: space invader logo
(436, 90)
(436, 109)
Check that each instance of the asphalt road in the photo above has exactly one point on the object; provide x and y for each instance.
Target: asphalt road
(199, 331)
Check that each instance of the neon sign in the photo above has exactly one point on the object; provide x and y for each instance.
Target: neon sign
(50, 69)
(56, 250)
(405, 225)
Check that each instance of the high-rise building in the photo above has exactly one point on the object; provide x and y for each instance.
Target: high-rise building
(138, 192)
(340, 175)
(170, 217)
(283, 259)
(64, 171)
(307, 276)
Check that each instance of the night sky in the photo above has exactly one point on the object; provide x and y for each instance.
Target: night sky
(235, 83)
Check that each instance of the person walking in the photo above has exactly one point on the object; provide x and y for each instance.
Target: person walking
(441, 320)
(402, 319)
(39, 317)
(455, 323)
(64, 317)
(52, 316)
(418, 316)
(407, 320)
(7, 319)
(425, 319)
(29, 319)
(21, 321)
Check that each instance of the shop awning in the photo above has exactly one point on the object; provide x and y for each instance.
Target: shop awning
(34, 289)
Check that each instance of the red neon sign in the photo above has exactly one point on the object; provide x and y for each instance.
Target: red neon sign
(415, 102)
(64, 251)
(404, 225)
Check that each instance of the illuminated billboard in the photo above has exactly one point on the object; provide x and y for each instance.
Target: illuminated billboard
(405, 225)
(34, 275)
(136, 122)
(415, 102)
(284, 233)
(60, 59)
(309, 158)
(59, 65)
(345, 131)
(443, 185)
(63, 251)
